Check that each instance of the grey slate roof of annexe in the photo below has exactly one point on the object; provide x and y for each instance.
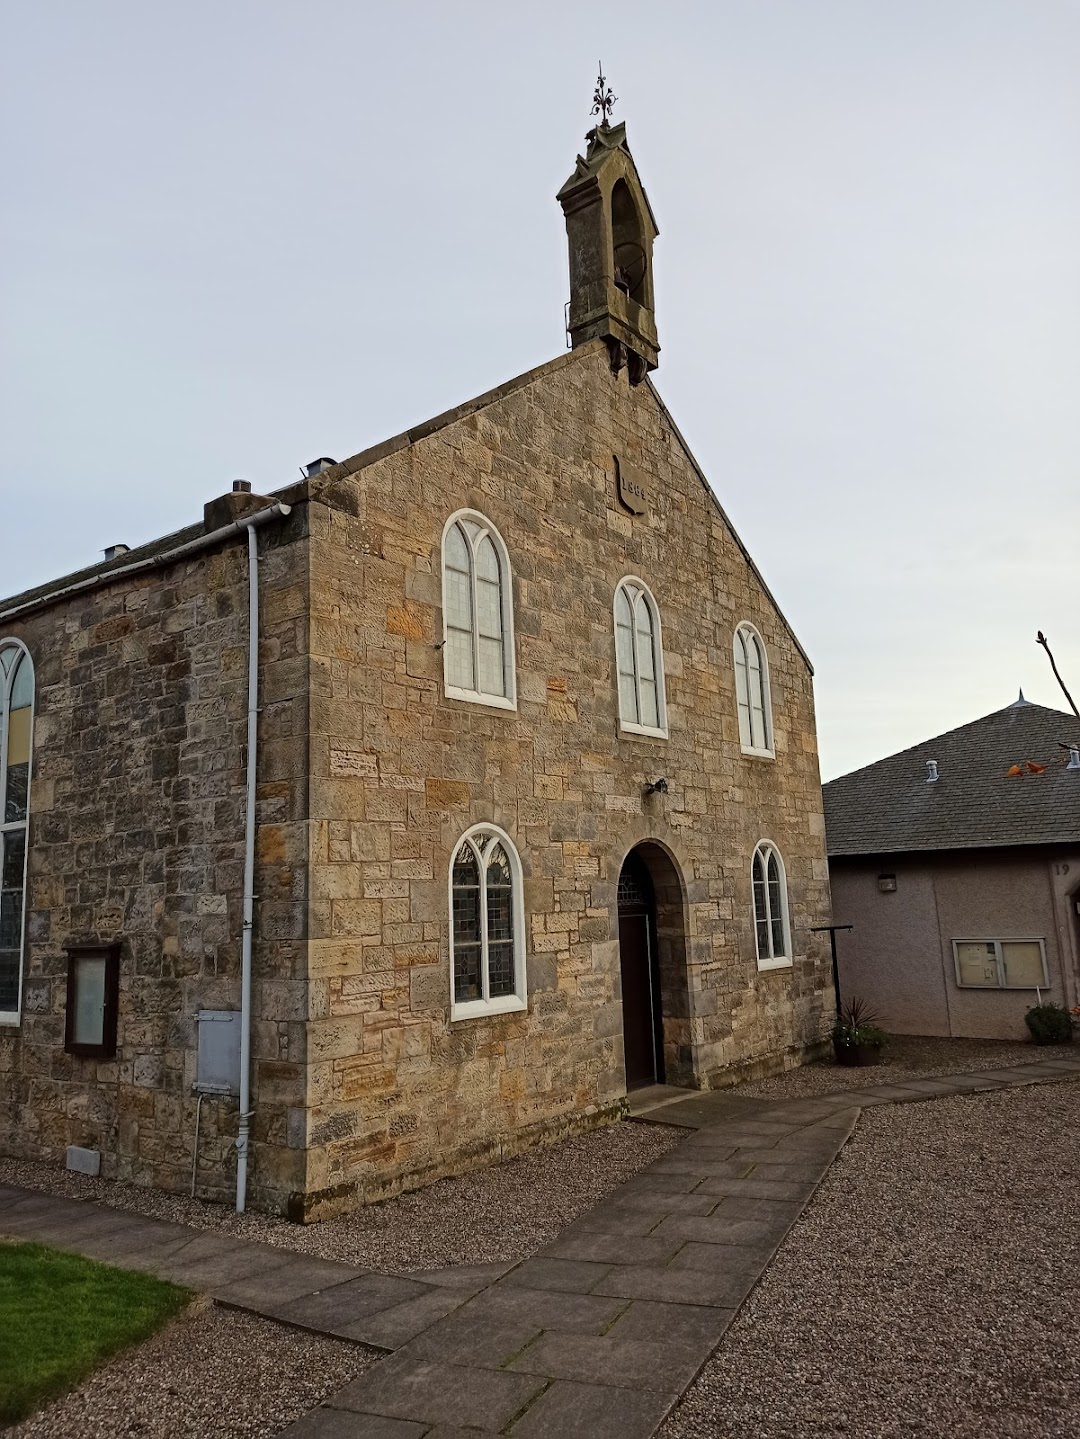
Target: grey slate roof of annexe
(889, 808)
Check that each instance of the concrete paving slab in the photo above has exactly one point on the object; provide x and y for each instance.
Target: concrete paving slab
(393, 1328)
(611, 1218)
(691, 1325)
(672, 1285)
(479, 1340)
(609, 1248)
(653, 1202)
(403, 1387)
(547, 1309)
(700, 1165)
(574, 1276)
(755, 1188)
(302, 1276)
(755, 1233)
(327, 1423)
(606, 1359)
(570, 1410)
(461, 1276)
(335, 1310)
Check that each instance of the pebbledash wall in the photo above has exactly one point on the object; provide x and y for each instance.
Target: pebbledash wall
(369, 775)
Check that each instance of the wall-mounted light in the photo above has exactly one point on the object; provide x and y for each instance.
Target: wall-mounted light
(658, 786)
(886, 883)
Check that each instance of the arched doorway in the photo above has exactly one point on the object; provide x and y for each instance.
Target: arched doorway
(639, 964)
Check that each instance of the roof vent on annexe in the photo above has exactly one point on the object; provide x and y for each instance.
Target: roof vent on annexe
(931, 771)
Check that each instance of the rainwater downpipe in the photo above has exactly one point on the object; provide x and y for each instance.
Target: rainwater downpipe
(243, 1134)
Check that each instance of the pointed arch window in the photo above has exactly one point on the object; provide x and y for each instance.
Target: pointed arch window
(752, 692)
(478, 617)
(16, 731)
(487, 925)
(772, 929)
(639, 658)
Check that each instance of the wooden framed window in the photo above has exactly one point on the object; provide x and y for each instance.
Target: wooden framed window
(478, 613)
(1000, 963)
(93, 993)
(639, 659)
(752, 693)
(487, 925)
(772, 930)
(16, 735)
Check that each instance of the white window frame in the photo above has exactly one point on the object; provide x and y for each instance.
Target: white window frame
(507, 1003)
(999, 958)
(477, 696)
(13, 1017)
(628, 726)
(766, 847)
(766, 751)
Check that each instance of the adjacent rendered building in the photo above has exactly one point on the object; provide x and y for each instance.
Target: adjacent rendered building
(525, 813)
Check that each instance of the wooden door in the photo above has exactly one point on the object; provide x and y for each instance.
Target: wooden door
(637, 962)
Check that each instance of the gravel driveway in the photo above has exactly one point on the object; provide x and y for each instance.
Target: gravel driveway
(505, 1212)
(931, 1287)
(212, 1372)
(906, 1057)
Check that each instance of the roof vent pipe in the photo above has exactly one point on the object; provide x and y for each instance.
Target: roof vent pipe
(1074, 757)
(241, 487)
(931, 771)
(113, 552)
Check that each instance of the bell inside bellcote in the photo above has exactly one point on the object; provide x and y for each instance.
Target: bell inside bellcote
(610, 229)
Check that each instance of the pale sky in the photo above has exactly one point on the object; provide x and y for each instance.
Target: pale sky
(238, 235)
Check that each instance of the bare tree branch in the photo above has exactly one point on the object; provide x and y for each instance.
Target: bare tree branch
(1040, 638)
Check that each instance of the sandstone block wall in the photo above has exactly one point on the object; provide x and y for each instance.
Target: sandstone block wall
(396, 1091)
(136, 834)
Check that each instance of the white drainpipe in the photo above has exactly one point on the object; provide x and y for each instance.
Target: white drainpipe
(243, 1134)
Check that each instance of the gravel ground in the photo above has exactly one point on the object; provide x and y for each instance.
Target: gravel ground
(505, 1212)
(929, 1289)
(211, 1372)
(906, 1057)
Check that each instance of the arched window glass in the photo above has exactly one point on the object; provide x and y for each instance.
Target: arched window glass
(487, 925)
(639, 659)
(16, 729)
(772, 930)
(752, 692)
(478, 654)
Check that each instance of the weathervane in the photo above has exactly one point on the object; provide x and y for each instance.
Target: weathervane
(603, 98)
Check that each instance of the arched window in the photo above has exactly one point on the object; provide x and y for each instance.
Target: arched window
(752, 692)
(478, 618)
(487, 930)
(16, 729)
(640, 661)
(772, 930)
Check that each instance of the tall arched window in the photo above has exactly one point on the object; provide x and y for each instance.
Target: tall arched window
(16, 729)
(772, 930)
(752, 692)
(487, 930)
(478, 617)
(640, 660)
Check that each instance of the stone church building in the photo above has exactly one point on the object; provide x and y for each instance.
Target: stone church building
(512, 806)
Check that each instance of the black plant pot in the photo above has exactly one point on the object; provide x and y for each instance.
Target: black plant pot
(856, 1054)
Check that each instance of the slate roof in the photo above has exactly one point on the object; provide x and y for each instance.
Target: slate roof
(889, 808)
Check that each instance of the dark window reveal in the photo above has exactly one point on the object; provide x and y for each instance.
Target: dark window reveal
(93, 991)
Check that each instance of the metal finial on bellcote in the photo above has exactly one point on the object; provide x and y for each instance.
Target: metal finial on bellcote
(1018, 702)
(603, 97)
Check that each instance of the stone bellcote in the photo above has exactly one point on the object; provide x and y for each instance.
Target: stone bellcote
(610, 229)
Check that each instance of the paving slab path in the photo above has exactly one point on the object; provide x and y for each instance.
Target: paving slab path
(597, 1335)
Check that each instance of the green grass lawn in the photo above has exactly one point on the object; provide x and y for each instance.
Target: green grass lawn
(61, 1315)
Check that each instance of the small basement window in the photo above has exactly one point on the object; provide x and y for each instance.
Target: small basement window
(93, 990)
(1000, 963)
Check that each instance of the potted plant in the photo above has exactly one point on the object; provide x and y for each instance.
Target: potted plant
(856, 1037)
(1049, 1023)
